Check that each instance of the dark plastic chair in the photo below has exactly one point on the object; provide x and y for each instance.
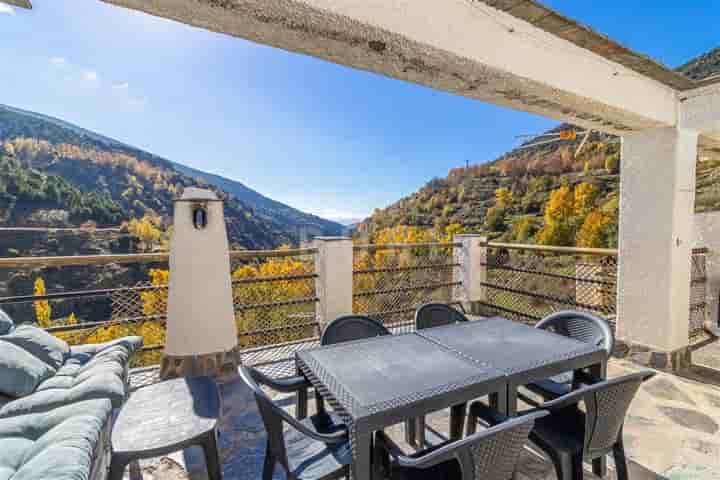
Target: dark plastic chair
(346, 329)
(570, 435)
(437, 314)
(316, 448)
(428, 316)
(581, 326)
(489, 455)
(352, 327)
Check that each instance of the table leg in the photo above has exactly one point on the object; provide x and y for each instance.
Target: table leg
(301, 400)
(411, 431)
(511, 400)
(599, 373)
(362, 448)
(498, 400)
(457, 421)
(117, 468)
(212, 456)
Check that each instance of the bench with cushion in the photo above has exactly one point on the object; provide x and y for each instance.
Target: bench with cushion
(44, 385)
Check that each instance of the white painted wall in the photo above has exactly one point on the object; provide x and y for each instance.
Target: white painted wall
(657, 197)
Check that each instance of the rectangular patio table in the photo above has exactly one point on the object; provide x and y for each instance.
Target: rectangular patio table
(378, 382)
(375, 383)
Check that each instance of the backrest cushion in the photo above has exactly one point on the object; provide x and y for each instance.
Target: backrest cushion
(20, 371)
(6, 323)
(39, 343)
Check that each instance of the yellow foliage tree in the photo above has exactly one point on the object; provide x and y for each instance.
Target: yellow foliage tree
(591, 233)
(584, 199)
(558, 217)
(43, 311)
(72, 319)
(503, 197)
(146, 230)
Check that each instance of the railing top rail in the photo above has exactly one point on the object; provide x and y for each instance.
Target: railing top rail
(602, 252)
(405, 246)
(85, 260)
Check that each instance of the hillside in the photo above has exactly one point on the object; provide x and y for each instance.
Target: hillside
(54, 174)
(521, 196)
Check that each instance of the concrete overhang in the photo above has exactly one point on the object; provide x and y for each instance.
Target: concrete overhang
(518, 56)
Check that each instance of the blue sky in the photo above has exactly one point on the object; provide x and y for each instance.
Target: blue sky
(321, 137)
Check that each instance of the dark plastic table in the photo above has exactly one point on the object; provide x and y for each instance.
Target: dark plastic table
(378, 382)
(167, 417)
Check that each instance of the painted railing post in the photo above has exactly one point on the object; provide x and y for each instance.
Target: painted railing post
(471, 254)
(334, 284)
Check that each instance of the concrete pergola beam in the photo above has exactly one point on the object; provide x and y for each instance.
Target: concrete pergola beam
(700, 110)
(462, 46)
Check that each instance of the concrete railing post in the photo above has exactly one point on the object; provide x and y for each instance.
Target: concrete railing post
(471, 254)
(334, 283)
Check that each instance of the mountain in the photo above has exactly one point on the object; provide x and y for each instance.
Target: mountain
(270, 209)
(508, 197)
(53, 173)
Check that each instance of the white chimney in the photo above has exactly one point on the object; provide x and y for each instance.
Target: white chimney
(201, 333)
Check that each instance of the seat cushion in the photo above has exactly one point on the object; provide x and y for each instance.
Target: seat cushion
(40, 343)
(6, 323)
(97, 371)
(59, 444)
(20, 371)
(311, 459)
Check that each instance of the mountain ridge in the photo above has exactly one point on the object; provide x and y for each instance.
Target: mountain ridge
(125, 177)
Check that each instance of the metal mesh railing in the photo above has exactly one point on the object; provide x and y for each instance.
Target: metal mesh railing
(391, 281)
(273, 295)
(526, 284)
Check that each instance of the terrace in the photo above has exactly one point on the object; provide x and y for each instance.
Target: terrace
(282, 299)
(653, 290)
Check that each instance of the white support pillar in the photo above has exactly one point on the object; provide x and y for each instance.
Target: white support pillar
(471, 254)
(657, 197)
(334, 284)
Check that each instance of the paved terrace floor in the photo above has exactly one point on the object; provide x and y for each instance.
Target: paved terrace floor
(671, 433)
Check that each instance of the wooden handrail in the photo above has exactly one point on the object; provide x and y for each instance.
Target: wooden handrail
(604, 252)
(85, 260)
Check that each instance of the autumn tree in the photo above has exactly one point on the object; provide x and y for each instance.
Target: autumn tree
(592, 231)
(612, 163)
(43, 310)
(585, 195)
(146, 230)
(558, 218)
(503, 197)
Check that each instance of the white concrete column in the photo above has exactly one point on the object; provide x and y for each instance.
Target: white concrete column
(334, 283)
(471, 254)
(657, 197)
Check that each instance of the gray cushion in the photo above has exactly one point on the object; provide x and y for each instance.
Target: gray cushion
(20, 371)
(6, 323)
(88, 373)
(59, 444)
(39, 343)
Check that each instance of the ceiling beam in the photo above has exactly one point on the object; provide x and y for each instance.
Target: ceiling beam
(465, 47)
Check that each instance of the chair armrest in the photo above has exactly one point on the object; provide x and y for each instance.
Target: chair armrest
(328, 438)
(284, 385)
(400, 458)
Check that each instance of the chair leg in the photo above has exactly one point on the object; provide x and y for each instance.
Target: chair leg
(620, 460)
(577, 467)
(319, 403)
(117, 468)
(564, 466)
(269, 465)
(212, 457)
(301, 404)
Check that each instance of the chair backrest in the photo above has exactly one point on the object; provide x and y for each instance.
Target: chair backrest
(437, 314)
(606, 405)
(352, 327)
(490, 454)
(581, 326)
